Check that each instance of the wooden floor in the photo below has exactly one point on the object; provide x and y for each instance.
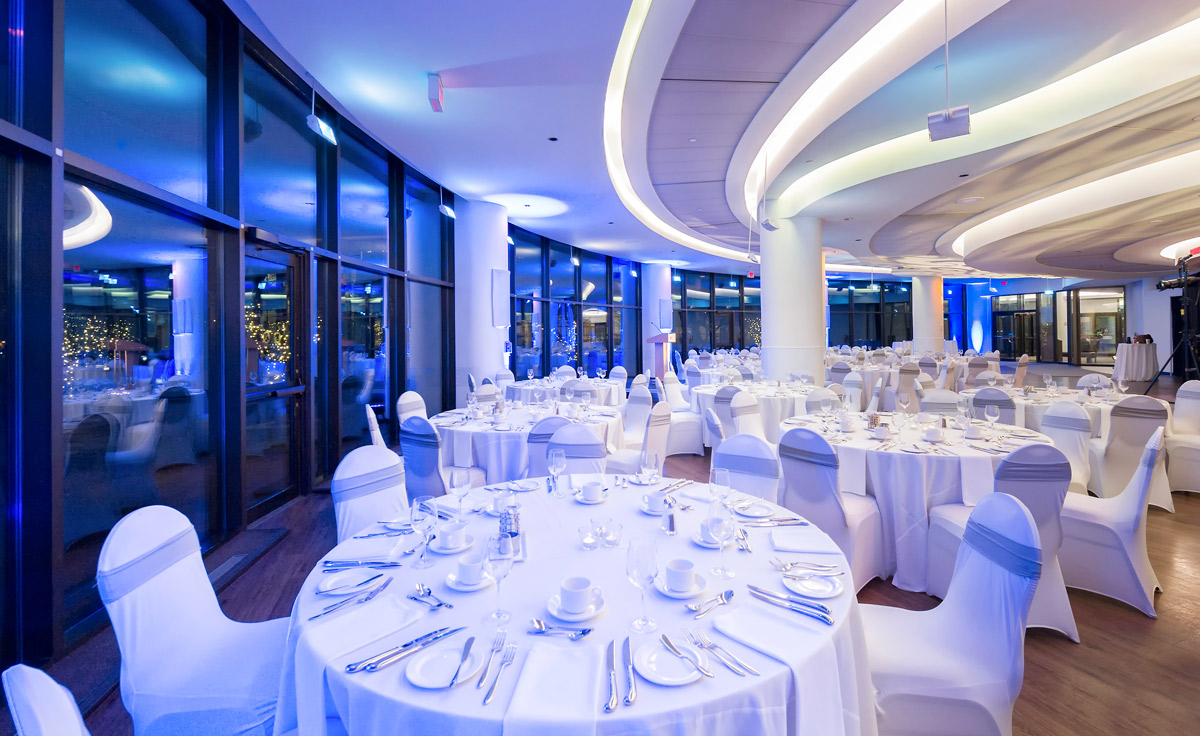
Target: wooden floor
(1130, 675)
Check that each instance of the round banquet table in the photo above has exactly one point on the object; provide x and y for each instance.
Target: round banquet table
(1031, 408)
(910, 476)
(775, 402)
(608, 393)
(559, 687)
(499, 447)
(1136, 362)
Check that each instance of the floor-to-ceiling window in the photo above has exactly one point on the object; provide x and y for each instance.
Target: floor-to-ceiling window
(714, 311)
(869, 314)
(429, 325)
(1101, 320)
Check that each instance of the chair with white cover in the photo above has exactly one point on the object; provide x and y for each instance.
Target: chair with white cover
(810, 488)
(686, 436)
(876, 399)
(538, 442)
(367, 486)
(639, 380)
(956, 670)
(410, 404)
(1070, 429)
(504, 377)
(691, 374)
(174, 442)
(971, 352)
(1022, 367)
(839, 390)
(578, 389)
(752, 464)
(618, 373)
(716, 433)
(704, 360)
(987, 378)
(998, 398)
(838, 372)
(186, 669)
(486, 394)
(1113, 459)
(673, 391)
(692, 353)
(565, 371)
(929, 367)
(746, 415)
(1095, 380)
(654, 439)
(940, 401)
(39, 706)
(906, 387)
(422, 450)
(878, 356)
(88, 505)
(1104, 539)
(487, 382)
(924, 383)
(1183, 446)
(722, 401)
(582, 447)
(813, 403)
(636, 410)
(1037, 475)
(373, 427)
(744, 373)
(853, 384)
(975, 366)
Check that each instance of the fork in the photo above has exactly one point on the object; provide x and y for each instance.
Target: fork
(497, 646)
(743, 540)
(782, 566)
(510, 653)
(706, 643)
(694, 640)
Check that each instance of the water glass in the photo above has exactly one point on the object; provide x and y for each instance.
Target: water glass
(649, 465)
(641, 567)
(719, 523)
(423, 515)
(612, 534)
(556, 463)
(992, 414)
(460, 484)
(718, 484)
(529, 374)
(498, 559)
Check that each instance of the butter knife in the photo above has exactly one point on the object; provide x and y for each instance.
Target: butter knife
(394, 658)
(675, 650)
(794, 607)
(611, 705)
(356, 666)
(466, 652)
(794, 598)
(353, 601)
(627, 652)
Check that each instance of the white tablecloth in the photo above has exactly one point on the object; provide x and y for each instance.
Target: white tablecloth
(830, 668)
(775, 403)
(1031, 409)
(1136, 362)
(608, 393)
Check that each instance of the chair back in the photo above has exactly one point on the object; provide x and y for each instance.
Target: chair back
(745, 373)
(410, 404)
(1038, 475)
(659, 391)
(984, 378)
(715, 431)
(838, 389)
(584, 449)
(812, 403)
(120, 408)
(618, 373)
(1134, 420)
(487, 382)
(692, 375)
(971, 352)
(929, 367)
(579, 389)
(639, 380)
(639, 405)
(1130, 504)
(873, 404)
(39, 706)
(940, 401)
(472, 386)
(853, 384)
(486, 394)
(1070, 428)
(368, 486)
(986, 397)
(373, 427)
(1186, 419)
(504, 377)
(674, 392)
(705, 360)
(975, 366)
(722, 403)
(838, 372)
(565, 371)
(421, 448)
(538, 442)
(1095, 380)
(752, 465)
(658, 426)
(878, 356)
(746, 415)
(908, 387)
(810, 480)
(1022, 367)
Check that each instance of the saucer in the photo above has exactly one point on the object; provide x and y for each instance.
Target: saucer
(661, 584)
(653, 662)
(645, 510)
(554, 607)
(521, 486)
(453, 584)
(603, 497)
(397, 525)
(708, 545)
(815, 587)
(439, 549)
(637, 480)
(756, 510)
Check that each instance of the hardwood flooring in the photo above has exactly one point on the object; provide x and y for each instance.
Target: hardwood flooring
(1129, 675)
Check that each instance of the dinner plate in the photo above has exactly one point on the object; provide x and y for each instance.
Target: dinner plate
(653, 662)
(397, 524)
(433, 668)
(708, 545)
(554, 606)
(521, 486)
(700, 586)
(453, 583)
(638, 481)
(345, 583)
(815, 587)
(915, 450)
(757, 510)
(439, 549)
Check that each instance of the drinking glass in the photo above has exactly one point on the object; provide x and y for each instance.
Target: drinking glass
(424, 517)
(498, 559)
(539, 394)
(992, 380)
(641, 567)
(600, 372)
(460, 484)
(568, 393)
(825, 404)
(585, 398)
(529, 374)
(903, 400)
(805, 379)
(992, 413)
(1009, 380)
(720, 527)
(470, 402)
(556, 463)
(649, 465)
(718, 484)
(1047, 379)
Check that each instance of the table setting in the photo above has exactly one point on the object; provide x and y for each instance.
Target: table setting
(777, 400)
(1033, 402)
(532, 390)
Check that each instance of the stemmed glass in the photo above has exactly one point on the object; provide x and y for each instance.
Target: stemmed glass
(539, 394)
(470, 402)
(600, 372)
(1048, 380)
(424, 516)
(585, 398)
(805, 379)
(568, 393)
(641, 567)
(992, 413)
(903, 400)
(649, 465)
(499, 560)
(720, 528)
(1009, 380)
(556, 463)
(718, 484)
(529, 374)
(992, 379)
(460, 484)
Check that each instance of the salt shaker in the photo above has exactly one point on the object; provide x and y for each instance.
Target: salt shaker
(510, 524)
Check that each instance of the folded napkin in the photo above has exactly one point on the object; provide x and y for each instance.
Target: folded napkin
(558, 692)
(807, 539)
(809, 654)
(852, 469)
(302, 701)
(977, 476)
(474, 497)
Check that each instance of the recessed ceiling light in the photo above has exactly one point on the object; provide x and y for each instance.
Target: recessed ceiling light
(691, 140)
(968, 200)
(1155, 222)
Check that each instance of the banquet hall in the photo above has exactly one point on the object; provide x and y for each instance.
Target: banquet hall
(604, 367)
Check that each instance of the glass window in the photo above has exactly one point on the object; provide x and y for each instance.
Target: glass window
(725, 330)
(839, 293)
(895, 292)
(562, 271)
(728, 292)
(363, 203)
(423, 231)
(425, 338)
(866, 330)
(752, 289)
(626, 338)
(624, 282)
(564, 337)
(364, 351)
(1101, 324)
(594, 278)
(677, 289)
(279, 170)
(136, 90)
(699, 331)
(528, 337)
(698, 287)
(269, 346)
(527, 265)
(595, 340)
(8, 244)
(136, 399)
(867, 296)
(839, 328)
(752, 324)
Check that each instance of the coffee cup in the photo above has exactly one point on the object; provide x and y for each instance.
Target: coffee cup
(933, 434)
(501, 500)
(470, 569)
(881, 432)
(973, 433)
(846, 425)
(577, 594)
(655, 501)
(681, 575)
(592, 491)
(452, 535)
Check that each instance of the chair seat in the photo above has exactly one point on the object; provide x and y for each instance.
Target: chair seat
(1189, 443)
(626, 462)
(1090, 509)
(858, 507)
(633, 437)
(951, 516)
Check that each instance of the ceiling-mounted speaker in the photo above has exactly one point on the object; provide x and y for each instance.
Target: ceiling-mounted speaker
(949, 123)
(435, 92)
(766, 224)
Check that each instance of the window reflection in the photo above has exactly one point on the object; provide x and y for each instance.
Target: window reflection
(595, 340)
(364, 363)
(594, 278)
(268, 323)
(627, 330)
(528, 337)
(564, 336)
(527, 265)
(563, 266)
(363, 202)
(423, 230)
(425, 341)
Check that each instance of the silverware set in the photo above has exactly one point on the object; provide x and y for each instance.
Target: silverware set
(707, 606)
(497, 647)
(697, 638)
(743, 541)
(776, 521)
(366, 597)
(611, 666)
(395, 654)
(340, 565)
(793, 602)
(510, 653)
(423, 594)
(783, 566)
(540, 627)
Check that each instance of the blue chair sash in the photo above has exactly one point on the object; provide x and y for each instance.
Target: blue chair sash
(540, 437)
(764, 467)
(418, 439)
(357, 486)
(827, 460)
(1075, 424)
(120, 581)
(741, 411)
(1036, 472)
(1017, 558)
(1137, 412)
(658, 421)
(1189, 394)
(580, 451)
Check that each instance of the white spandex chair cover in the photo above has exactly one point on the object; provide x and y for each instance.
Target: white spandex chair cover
(1113, 459)
(985, 378)
(538, 442)
(838, 389)
(486, 394)
(487, 382)
(619, 373)
(722, 403)
(1104, 539)
(639, 380)
(686, 436)
(410, 404)
(838, 372)
(1183, 446)
(674, 393)
(812, 403)
(929, 367)
(691, 374)
(1095, 380)
(422, 450)
(924, 383)
(747, 417)
(584, 450)
(1070, 428)
(971, 353)
(956, 670)
(997, 397)
(186, 669)
(1037, 475)
(810, 488)
(744, 373)
(908, 386)
(873, 405)
(752, 465)
(716, 432)
(368, 485)
(373, 426)
(853, 384)
(578, 388)
(1019, 376)
(940, 401)
(637, 409)
(654, 439)
(705, 360)
(39, 706)
(878, 356)
(504, 377)
(975, 366)
(566, 371)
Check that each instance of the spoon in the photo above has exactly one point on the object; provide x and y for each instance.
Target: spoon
(540, 627)
(722, 599)
(424, 591)
(416, 547)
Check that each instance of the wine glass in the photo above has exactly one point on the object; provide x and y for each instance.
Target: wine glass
(718, 484)
(585, 398)
(825, 404)
(556, 463)
(1048, 380)
(471, 402)
(423, 515)
(529, 374)
(600, 372)
(539, 394)
(460, 484)
(992, 379)
(641, 567)
(805, 379)
(903, 400)
(568, 393)
(498, 560)
(649, 465)
(992, 413)
(1009, 380)
(719, 523)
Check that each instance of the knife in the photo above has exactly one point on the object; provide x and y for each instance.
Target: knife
(788, 598)
(675, 650)
(356, 666)
(627, 653)
(394, 658)
(792, 606)
(353, 601)
(466, 652)
(611, 705)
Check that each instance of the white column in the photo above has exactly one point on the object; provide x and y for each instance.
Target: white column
(793, 299)
(189, 290)
(656, 314)
(928, 314)
(480, 246)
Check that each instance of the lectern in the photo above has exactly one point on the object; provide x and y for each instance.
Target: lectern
(659, 359)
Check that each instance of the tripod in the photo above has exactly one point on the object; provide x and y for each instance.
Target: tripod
(1189, 340)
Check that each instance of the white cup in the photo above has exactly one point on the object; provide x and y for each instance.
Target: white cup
(655, 501)
(847, 425)
(881, 432)
(973, 433)
(470, 569)
(592, 491)
(502, 500)
(933, 434)
(452, 535)
(681, 575)
(577, 594)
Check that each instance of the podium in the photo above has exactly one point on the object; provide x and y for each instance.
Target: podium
(659, 359)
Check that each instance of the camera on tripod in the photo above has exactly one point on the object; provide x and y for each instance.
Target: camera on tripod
(1184, 280)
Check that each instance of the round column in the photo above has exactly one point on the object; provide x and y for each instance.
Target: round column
(480, 246)
(928, 314)
(793, 299)
(658, 316)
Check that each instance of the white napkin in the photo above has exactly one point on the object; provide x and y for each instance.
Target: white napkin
(852, 469)
(805, 650)
(977, 477)
(330, 638)
(558, 692)
(807, 539)
(474, 497)
(461, 440)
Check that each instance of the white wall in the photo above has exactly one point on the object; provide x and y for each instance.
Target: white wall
(480, 245)
(1148, 311)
